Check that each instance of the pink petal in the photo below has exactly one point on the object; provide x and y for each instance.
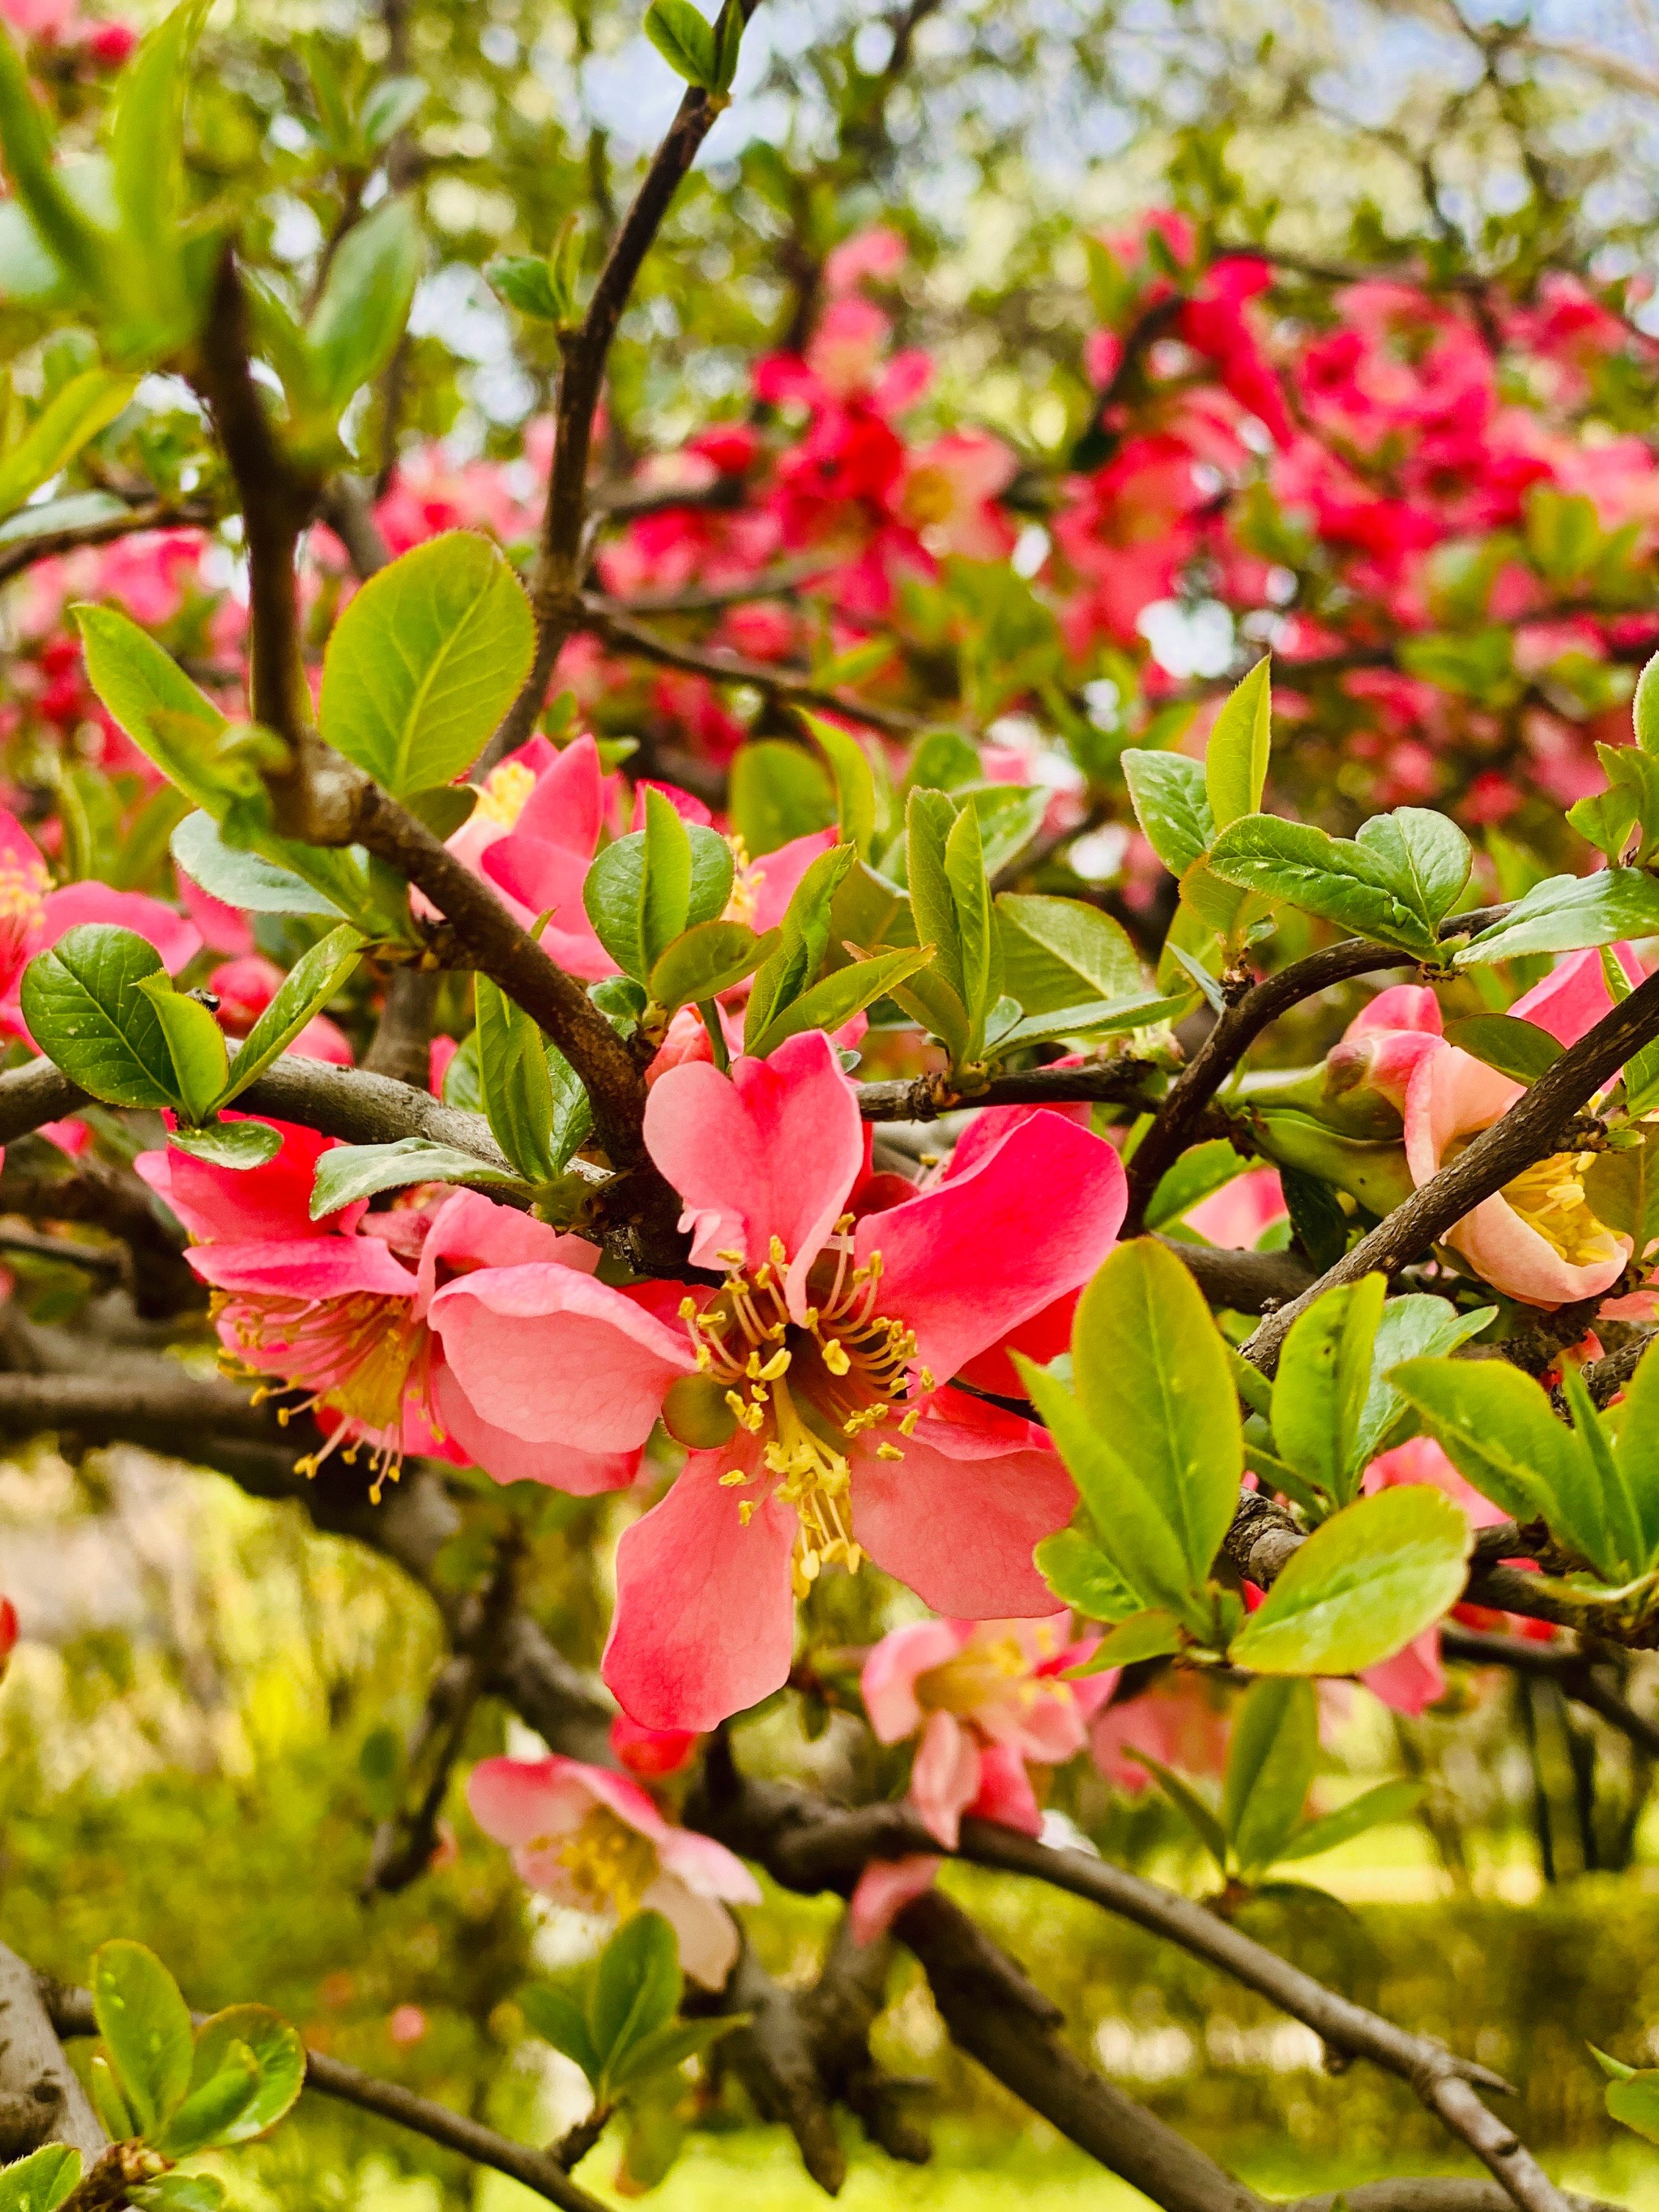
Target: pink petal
(251, 1204)
(1413, 1679)
(1420, 1459)
(775, 877)
(177, 940)
(993, 1125)
(704, 1623)
(534, 876)
(1402, 1006)
(1004, 1791)
(225, 928)
(557, 1357)
(518, 1801)
(1574, 996)
(885, 1888)
(305, 1267)
(471, 1231)
(889, 1681)
(707, 1867)
(567, 806)
(706, 1932)
(1506, 1251)
(1237, 1213)
(944, 1777)
(972, 1258)
(959, 1528)
(1450, 1093)
(507, 1458)
(770, 1151)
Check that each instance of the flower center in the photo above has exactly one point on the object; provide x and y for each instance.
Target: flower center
(354, 1355)
(23, 886)
(810, 1388)
(987, 1671)
(504, 789)
(1549, 1196)
(609, 1865)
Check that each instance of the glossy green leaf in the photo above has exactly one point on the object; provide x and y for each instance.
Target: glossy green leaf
(40, 2182)
(979, 950)
(1636, 1422)
(1342, 882)
(1497, 1427)
(194, 1041)
(114, 2116)
(1153, 1633)
(1058, 952)
(84, 1009)
(1271, 1757)
(1171, 804)
(778, 793)
(1364, 1583)
(803, 943)
(1195, 1810)
(849, 763)
(1515, 1047)
(277, 2052)
(1322, 1383)
(1240, 741)
(685, 38)
(1633, 2097)
(425, 661)
(636, 1984)
(1150, 1373)
(554, 2015)
(705, 961)
(1414, 1326)
(1100, 1017)
(242, 878)
(61, 224)
(1082, 1576)
(1626, 1545)
(665, 2049)
(348, 1172)
(1565, 912)
(517, 1085)
(210, 2112)
(86, 406)
(237, 1145)
(1426, 855)
(313, 979)
(146, 2029)
(1644, 707)
(929, 818)
(355, 328)
(835, 999)
(1196, 1176)
(1387, 1802)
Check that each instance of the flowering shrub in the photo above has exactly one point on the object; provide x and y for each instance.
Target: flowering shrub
(763, 1010)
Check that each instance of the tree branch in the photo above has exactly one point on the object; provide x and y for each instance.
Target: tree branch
(927, 1098)
(1532, 1129)
(42, 2100)
(149, 515)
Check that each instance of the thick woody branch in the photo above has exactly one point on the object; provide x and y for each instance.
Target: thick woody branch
(402, 1047)
(71, 2015)
(1249, 1010)
(1533, 1127)
(42, 2100)
(927, 1098)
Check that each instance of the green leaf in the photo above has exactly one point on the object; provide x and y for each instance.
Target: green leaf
(685, 40)
(86, 406)
(425, 661)
(664, 906)
(1635, 2103)
(242, 878)
(1081, 1575)
(1140, 1544)
(707, 960)
(212, 2110)
(665, 2049)
(1339, 880)
(1193, 1809)
(1196, 1176)
(348, 1172)
(788, 970)
(1496, 1426)
(835, 999)
(636, 1985)
(1151, 1373)
(238, 1145)
(729, 36)
(1565, 912)
(1427, 857)
(107, 2101)
(1644, 707)
(179, 2192)
(1623, 1191)
(525, 282)
(554, 2015)
(145, 2025)
(777, 793)
(1100, 1017)
(306, 989)
(850, 764)
(1270, 1765)
(1323, 1381)
(1364, 1583)
(84, 1009)
(980, 950)
(1236, 757)
(355, 327)
(1058, 952)
(1387, 1802)
(40, 2182)
(390, 108)
(930, 816)
(1415, 1327)
(64, 228)
(77, 510)
(1636, 1421)
(1627, 1544)
(1516, 1049)
(443, 807)
(146, 145)
(1153, 1633)
(1171, 804)
(514, 1077)
(195, 1043)
(277, 2052)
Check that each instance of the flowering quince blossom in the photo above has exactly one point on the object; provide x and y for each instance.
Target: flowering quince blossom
(329, 1307)
(532, 835)
(808, 1385)
(984, 1697)
(594, 1840)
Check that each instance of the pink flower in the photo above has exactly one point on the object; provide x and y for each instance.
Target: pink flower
(1385, 1041)
(651, 1753)
(1242, 1211)
(1178, 1719)
(1537, 1239)
(328, 1308)
(808, 1384)
(534, 833)
(594, 1840)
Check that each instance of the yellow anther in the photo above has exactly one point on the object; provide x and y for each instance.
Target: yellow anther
(844, 1226)
(688, 1308)
(776, 1365)
(925, 1379)
(907, 1425)
(779, 1256)
(889, 1451)
(746, 1510)
(835, 1356)
(732, 1477)
(730, 1259)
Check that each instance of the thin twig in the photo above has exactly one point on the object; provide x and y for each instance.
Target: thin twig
(150, 515)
